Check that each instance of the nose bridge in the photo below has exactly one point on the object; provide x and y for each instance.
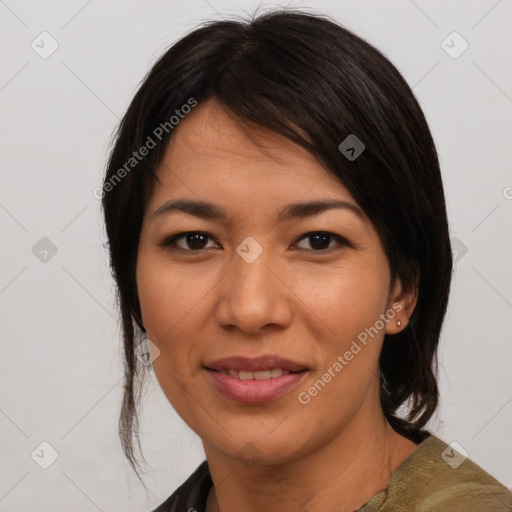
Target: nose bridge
(252, 296)
(250, 270)
(251, 279)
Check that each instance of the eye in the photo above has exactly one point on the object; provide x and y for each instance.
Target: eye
(196, 241)
(193, 241)
(320, 240)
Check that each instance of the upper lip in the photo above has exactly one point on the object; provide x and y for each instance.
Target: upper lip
(264, 362)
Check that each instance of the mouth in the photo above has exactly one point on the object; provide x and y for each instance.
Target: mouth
(253, 380)
(244, 365)
(254, 387)
(271, 373)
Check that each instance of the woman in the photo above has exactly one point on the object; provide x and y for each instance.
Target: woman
(278, 235)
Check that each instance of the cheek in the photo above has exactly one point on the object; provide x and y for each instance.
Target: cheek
(174, 302)
(349, 303)
(344, 300)
(171, 302)
(167, 293)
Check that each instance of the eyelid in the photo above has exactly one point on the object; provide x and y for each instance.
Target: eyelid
(170, 241)
(342, 241)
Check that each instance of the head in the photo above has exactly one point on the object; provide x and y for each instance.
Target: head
(250, 116)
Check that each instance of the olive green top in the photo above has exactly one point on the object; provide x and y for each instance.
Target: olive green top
(434, 478)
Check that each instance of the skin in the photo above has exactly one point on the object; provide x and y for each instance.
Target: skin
(203, 302)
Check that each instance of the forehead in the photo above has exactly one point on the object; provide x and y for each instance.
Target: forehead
(211, 153)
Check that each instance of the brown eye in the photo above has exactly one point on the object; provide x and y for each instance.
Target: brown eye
(321, 240)
(192, 241)
(196, 241)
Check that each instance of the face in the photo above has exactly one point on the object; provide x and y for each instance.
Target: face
(261, 278)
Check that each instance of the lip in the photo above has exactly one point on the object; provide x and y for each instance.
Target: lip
(252, 364)
(255, 391)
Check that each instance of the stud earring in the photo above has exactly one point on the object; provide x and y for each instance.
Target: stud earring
(398, 323)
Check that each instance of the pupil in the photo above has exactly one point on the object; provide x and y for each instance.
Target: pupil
(196, 240)
(319, 237)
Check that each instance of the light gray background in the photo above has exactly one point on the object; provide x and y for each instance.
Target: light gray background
(61, 366)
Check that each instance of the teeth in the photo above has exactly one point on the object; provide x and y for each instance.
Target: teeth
(257, 375)
(262, 375)
(242, 375)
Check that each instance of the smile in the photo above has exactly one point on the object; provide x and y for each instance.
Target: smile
(255, 387)
(257, 375)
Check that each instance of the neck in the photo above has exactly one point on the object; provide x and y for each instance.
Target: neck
(341, 475)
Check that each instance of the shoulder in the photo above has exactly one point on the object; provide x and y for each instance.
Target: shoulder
(436, 477)
(191, 495)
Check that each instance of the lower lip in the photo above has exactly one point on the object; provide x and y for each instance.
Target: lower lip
(255, 391)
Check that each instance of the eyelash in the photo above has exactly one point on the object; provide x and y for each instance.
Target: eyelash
(170, 242)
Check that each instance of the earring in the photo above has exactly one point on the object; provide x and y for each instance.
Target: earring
(398, 323)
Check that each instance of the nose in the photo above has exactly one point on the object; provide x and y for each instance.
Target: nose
(254, 296)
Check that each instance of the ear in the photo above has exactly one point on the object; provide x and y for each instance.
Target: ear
(400, 307)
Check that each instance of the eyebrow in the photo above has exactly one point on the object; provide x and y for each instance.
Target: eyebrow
(207, 210)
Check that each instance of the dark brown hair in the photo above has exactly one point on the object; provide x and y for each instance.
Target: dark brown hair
(305, 77)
